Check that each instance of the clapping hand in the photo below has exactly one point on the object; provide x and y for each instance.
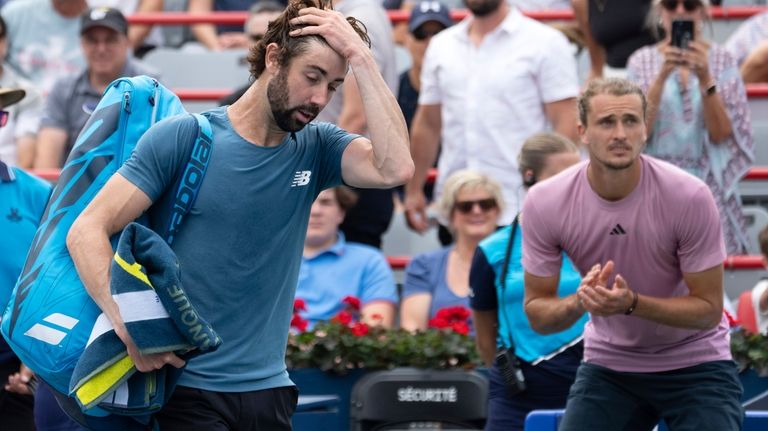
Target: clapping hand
(599, 300)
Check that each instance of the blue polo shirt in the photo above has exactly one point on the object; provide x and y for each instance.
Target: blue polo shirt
(22, 201)
(344, 269)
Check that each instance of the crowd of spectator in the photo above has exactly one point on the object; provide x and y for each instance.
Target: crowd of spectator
(491, 101)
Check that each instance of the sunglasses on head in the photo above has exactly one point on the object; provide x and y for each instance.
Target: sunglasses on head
(465, 207)
(4, 118)
(688, 5)
(422, 34)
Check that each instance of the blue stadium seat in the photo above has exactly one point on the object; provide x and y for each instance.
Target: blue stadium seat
(548, 420)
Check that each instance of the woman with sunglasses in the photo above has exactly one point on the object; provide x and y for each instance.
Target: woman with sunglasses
(698, 117)
(504, 337)
(472, 203)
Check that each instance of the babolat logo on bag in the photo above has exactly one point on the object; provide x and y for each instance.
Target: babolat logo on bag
(50, 315)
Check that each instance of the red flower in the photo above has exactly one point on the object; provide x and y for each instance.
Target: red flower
(439, 322)
(299, 305)
(299, 323)
(359, 329)
(732, 321)
(452, 317)
(352, 302)
(460, 328)
(344, 317)
(460, 313)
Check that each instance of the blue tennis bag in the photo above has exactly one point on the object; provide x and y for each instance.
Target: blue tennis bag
(50, 315)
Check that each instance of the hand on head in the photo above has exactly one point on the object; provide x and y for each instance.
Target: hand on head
(332, 26)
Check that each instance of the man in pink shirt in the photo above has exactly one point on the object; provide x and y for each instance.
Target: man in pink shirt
(647, 238)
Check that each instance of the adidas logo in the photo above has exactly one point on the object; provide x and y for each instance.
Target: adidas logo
(14, 215)
(618, 230)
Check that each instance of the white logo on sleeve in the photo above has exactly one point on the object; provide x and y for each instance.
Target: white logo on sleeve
(301, 178)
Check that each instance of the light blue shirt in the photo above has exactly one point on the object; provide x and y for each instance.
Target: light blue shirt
(22, 201)
(529, 344)
(344, 269)
(240, 245)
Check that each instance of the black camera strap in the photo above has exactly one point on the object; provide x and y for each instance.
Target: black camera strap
(504, 272)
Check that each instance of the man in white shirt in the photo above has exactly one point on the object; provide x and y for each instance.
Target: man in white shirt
(487, 84)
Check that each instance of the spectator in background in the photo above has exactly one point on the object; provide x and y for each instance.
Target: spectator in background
(259, 16)
(427, 19)
(221, 37)
(142, 37)
(698, 117)
(761, 290)
(749, 47)
(472, 202)
(104, 40)
(549, 362)
(44, 46)
(332, 268)
(17, 135)
(478, 106)
(612, 32)
(22, 202)
(369, 219)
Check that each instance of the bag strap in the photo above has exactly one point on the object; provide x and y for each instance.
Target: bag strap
(192, 176)
(503, 281)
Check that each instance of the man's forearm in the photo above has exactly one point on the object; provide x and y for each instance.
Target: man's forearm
(386, 125)
(425, 141)
(688, 312)
(549, 315)
(92, 254)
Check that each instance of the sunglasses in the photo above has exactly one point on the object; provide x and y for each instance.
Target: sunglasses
(4, 118)
(688, 5)
(465, 207)
(422, 34)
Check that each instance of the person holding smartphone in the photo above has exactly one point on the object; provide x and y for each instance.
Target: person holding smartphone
(698, 118)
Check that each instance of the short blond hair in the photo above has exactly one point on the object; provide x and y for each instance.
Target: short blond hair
(468, 179)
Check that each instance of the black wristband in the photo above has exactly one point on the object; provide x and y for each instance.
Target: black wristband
(634, 304)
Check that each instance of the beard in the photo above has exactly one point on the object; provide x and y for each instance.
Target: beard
(481, 8)
(278, 97)
(618, 166)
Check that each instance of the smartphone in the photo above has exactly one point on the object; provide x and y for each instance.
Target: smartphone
(682, 33)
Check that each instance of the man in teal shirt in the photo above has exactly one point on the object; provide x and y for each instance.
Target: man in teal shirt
(240, 246)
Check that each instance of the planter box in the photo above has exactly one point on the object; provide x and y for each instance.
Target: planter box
(314, 382)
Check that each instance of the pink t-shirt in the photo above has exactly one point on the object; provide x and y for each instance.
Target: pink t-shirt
(668, 225)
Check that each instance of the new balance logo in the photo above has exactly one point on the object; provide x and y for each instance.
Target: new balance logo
(301, 178)
(49, 334)
(14, 215)
(618, 230)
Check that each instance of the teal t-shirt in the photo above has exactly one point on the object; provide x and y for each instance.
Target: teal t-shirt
(240, 246)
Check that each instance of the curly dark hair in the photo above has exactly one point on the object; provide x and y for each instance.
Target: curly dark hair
(291, 46)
